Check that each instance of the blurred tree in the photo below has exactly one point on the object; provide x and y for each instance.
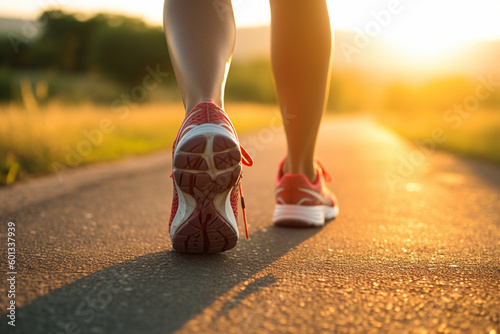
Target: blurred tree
(5, 85)
(251, 81)
(64, 41)
(349, 90)
(118, 46)
(9, 57)
(125, 47)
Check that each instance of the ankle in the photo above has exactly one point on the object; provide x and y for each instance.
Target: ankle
(307, 169)
(190, 104)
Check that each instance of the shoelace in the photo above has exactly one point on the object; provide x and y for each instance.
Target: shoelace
(247, 161)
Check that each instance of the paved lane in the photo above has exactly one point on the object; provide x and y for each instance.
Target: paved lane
(416, 248)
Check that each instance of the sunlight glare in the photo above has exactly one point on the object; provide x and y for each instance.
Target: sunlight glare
(423, 28)
(429, 29)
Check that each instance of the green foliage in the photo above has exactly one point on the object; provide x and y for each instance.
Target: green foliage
(438, 94)
(251, 81)
(124, 51)
(31, 141)
(349, 91)
(64, 42)
(116, 46)
(5, 85)
(476, 136)
(13, 51)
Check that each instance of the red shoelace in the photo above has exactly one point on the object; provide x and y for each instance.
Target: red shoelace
(247, 161)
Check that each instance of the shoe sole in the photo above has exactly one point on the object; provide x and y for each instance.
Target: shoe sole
(206, 169)
(291, 215)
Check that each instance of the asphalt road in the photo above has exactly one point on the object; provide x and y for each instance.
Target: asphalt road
(415, 249)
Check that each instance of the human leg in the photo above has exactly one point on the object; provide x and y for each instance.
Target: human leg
(200, 36)
(301, 60)
(207, 158)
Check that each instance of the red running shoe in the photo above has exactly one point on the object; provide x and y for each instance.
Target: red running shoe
(299, 203)
(207, 162)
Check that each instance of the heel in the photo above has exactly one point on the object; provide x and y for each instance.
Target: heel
(206, 170)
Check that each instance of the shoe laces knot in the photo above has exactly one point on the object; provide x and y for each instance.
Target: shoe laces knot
(322, 171)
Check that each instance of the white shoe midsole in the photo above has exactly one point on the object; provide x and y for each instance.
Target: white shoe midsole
(222, 201)
(208, 130)
(312, 215)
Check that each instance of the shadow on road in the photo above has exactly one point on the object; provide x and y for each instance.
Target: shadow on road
(156, 293)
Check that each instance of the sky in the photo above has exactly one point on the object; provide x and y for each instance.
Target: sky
(425, 26)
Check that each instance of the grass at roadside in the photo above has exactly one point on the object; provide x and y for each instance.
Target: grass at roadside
(477, 136)
(37, 142)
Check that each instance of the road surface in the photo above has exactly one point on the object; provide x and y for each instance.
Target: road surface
(415, 249)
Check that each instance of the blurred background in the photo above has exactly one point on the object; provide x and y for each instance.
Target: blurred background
(88, 81)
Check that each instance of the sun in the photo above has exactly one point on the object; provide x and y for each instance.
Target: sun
(425, 43)
(431, 29)
(423, 29)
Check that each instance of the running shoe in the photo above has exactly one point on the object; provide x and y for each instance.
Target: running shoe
(207, 165)
(299, 203)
